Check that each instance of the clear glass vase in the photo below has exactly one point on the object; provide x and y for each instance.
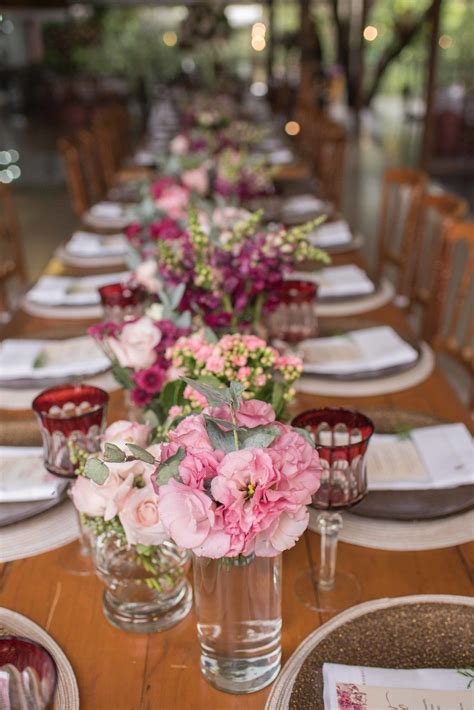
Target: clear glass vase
(238, 612)
(146, 587)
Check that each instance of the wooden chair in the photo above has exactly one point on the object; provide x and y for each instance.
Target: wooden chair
(330, 161)
(106, 140)
(12, 263)
(449, 325)
(75, 177)
(436, 212)
(91, 165)
(402, 191)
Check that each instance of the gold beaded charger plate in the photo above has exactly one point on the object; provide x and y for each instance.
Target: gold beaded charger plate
(67, 692)
(412, 504)
(422, 631)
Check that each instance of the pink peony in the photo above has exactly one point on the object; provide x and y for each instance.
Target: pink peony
(124, 432)
(186, 513)
(299, 464)
(146, 274)
(198, 466)
(218, 543)
(282, 534)
(191, 432)
(196, 180)
(252, 413)
(140, 518)
(135, 346)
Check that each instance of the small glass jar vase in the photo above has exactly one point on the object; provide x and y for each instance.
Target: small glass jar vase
(146, 586)
(238, 612)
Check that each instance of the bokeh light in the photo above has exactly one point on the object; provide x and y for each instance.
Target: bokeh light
(445, 41)
(170, 38)
(292, 128)
(370, 33)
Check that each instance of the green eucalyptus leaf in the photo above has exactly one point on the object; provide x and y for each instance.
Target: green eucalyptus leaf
(236, 389)
(176, 295)
(169, 469)
(150, 417)
(210, 336)
(307, 435)
(215, 396)
(260, 437)
(113, 454)
(228, 426)
(223, 440)
(96, 470)
(123, 375)
(142, 454)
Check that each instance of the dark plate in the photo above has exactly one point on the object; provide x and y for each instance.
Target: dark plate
(346, 325)
(418, 635)
(411, 505)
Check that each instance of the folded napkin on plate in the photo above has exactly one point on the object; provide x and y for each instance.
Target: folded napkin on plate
(144, 158)
(282, 156)
(107, 210)
(43, 359)
(331, 234)
(72, 290)
(362, 350)
(350, 687)
(90, 244)
(338, 281)
(302, 204)
(23, 476)
(430, 457)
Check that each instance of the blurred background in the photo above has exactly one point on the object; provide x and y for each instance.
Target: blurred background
(397, 73)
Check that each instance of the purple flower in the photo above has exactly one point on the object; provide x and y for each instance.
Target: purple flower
(140, 397)
(150, 380)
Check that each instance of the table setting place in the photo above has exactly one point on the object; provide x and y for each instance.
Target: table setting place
(240, 487)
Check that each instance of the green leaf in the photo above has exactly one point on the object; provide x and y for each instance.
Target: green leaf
(307, 435)
(228, 426)
(123, 375)
(150, 417)
(169, 469)
(278, 397)
(223, 440)
(176, 295)
(141, 454)
(259, 437)
(210, 336)
(216, 396)
(96, 470)
(236, 389)
(172, 394)
(113, 453)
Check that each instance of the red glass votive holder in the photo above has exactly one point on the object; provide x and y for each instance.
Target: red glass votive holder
(121, 301)
(295, 318)
(23, 654)
(72, 419)
(342, 438)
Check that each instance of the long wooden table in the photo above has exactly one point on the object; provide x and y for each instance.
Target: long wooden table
(120, 671)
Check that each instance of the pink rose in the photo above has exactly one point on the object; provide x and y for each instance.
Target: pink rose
(174, 201)
(135, 346)
(196, 180)
(252, 413)
(91, 499)
(199, 465)
(124, 432)
(186, 513)
(282, 534)
(146, 274)
(140, 518)
(191, 432)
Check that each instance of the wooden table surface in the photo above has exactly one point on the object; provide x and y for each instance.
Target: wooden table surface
(120, 671)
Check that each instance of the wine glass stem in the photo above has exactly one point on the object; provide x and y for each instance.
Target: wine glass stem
(329, 525)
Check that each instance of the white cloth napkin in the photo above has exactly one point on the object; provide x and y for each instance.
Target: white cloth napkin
(384, 688)
(283, 156)
(357, 351)
(144, 158)
(90, 244)
(302, 204)
(107, 210)
(40, 359)
(338, 281)
(72, 290)
(23, 476)
(331, 234)
(430, 457)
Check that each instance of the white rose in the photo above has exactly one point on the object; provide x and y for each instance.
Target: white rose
(135, 346)
(124, 432)
(146, 275)
(179, 145)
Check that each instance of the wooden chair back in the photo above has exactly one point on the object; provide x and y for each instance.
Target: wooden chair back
(12, 263)
(450, 322)
(91, 165)
(75, 178)
(436, 212)
(402, 191)
(330, 161)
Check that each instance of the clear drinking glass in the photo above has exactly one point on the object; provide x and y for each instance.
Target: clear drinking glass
(238, 612)
(295, 318)
(121, 301)
(72, 419)
(342, 438)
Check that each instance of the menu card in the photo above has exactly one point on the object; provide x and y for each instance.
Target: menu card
(426, 458)
(363, 688)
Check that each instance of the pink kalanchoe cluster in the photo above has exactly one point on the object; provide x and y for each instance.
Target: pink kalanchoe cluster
(138, 349)
(243, 358)
(128, 493)
(248, 501)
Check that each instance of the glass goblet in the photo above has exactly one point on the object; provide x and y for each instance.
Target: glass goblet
(72, 419)
(342, 438)
(121, 301)
(295, 319)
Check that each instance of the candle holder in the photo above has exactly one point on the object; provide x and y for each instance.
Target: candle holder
(121, 301)
(295, 318)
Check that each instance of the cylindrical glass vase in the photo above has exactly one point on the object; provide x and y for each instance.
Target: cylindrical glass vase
(146, 587)
(238, 612)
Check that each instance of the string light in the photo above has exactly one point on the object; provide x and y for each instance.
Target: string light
(370, 33)
(292, 128)
(258, 43)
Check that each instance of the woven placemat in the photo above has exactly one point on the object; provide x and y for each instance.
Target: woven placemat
(54, 528)
(67, 692)
(350, 307)
(309, 384)
(62, 312)
(382, 534)
(89, 262)
(429, 630)
(15, 400)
